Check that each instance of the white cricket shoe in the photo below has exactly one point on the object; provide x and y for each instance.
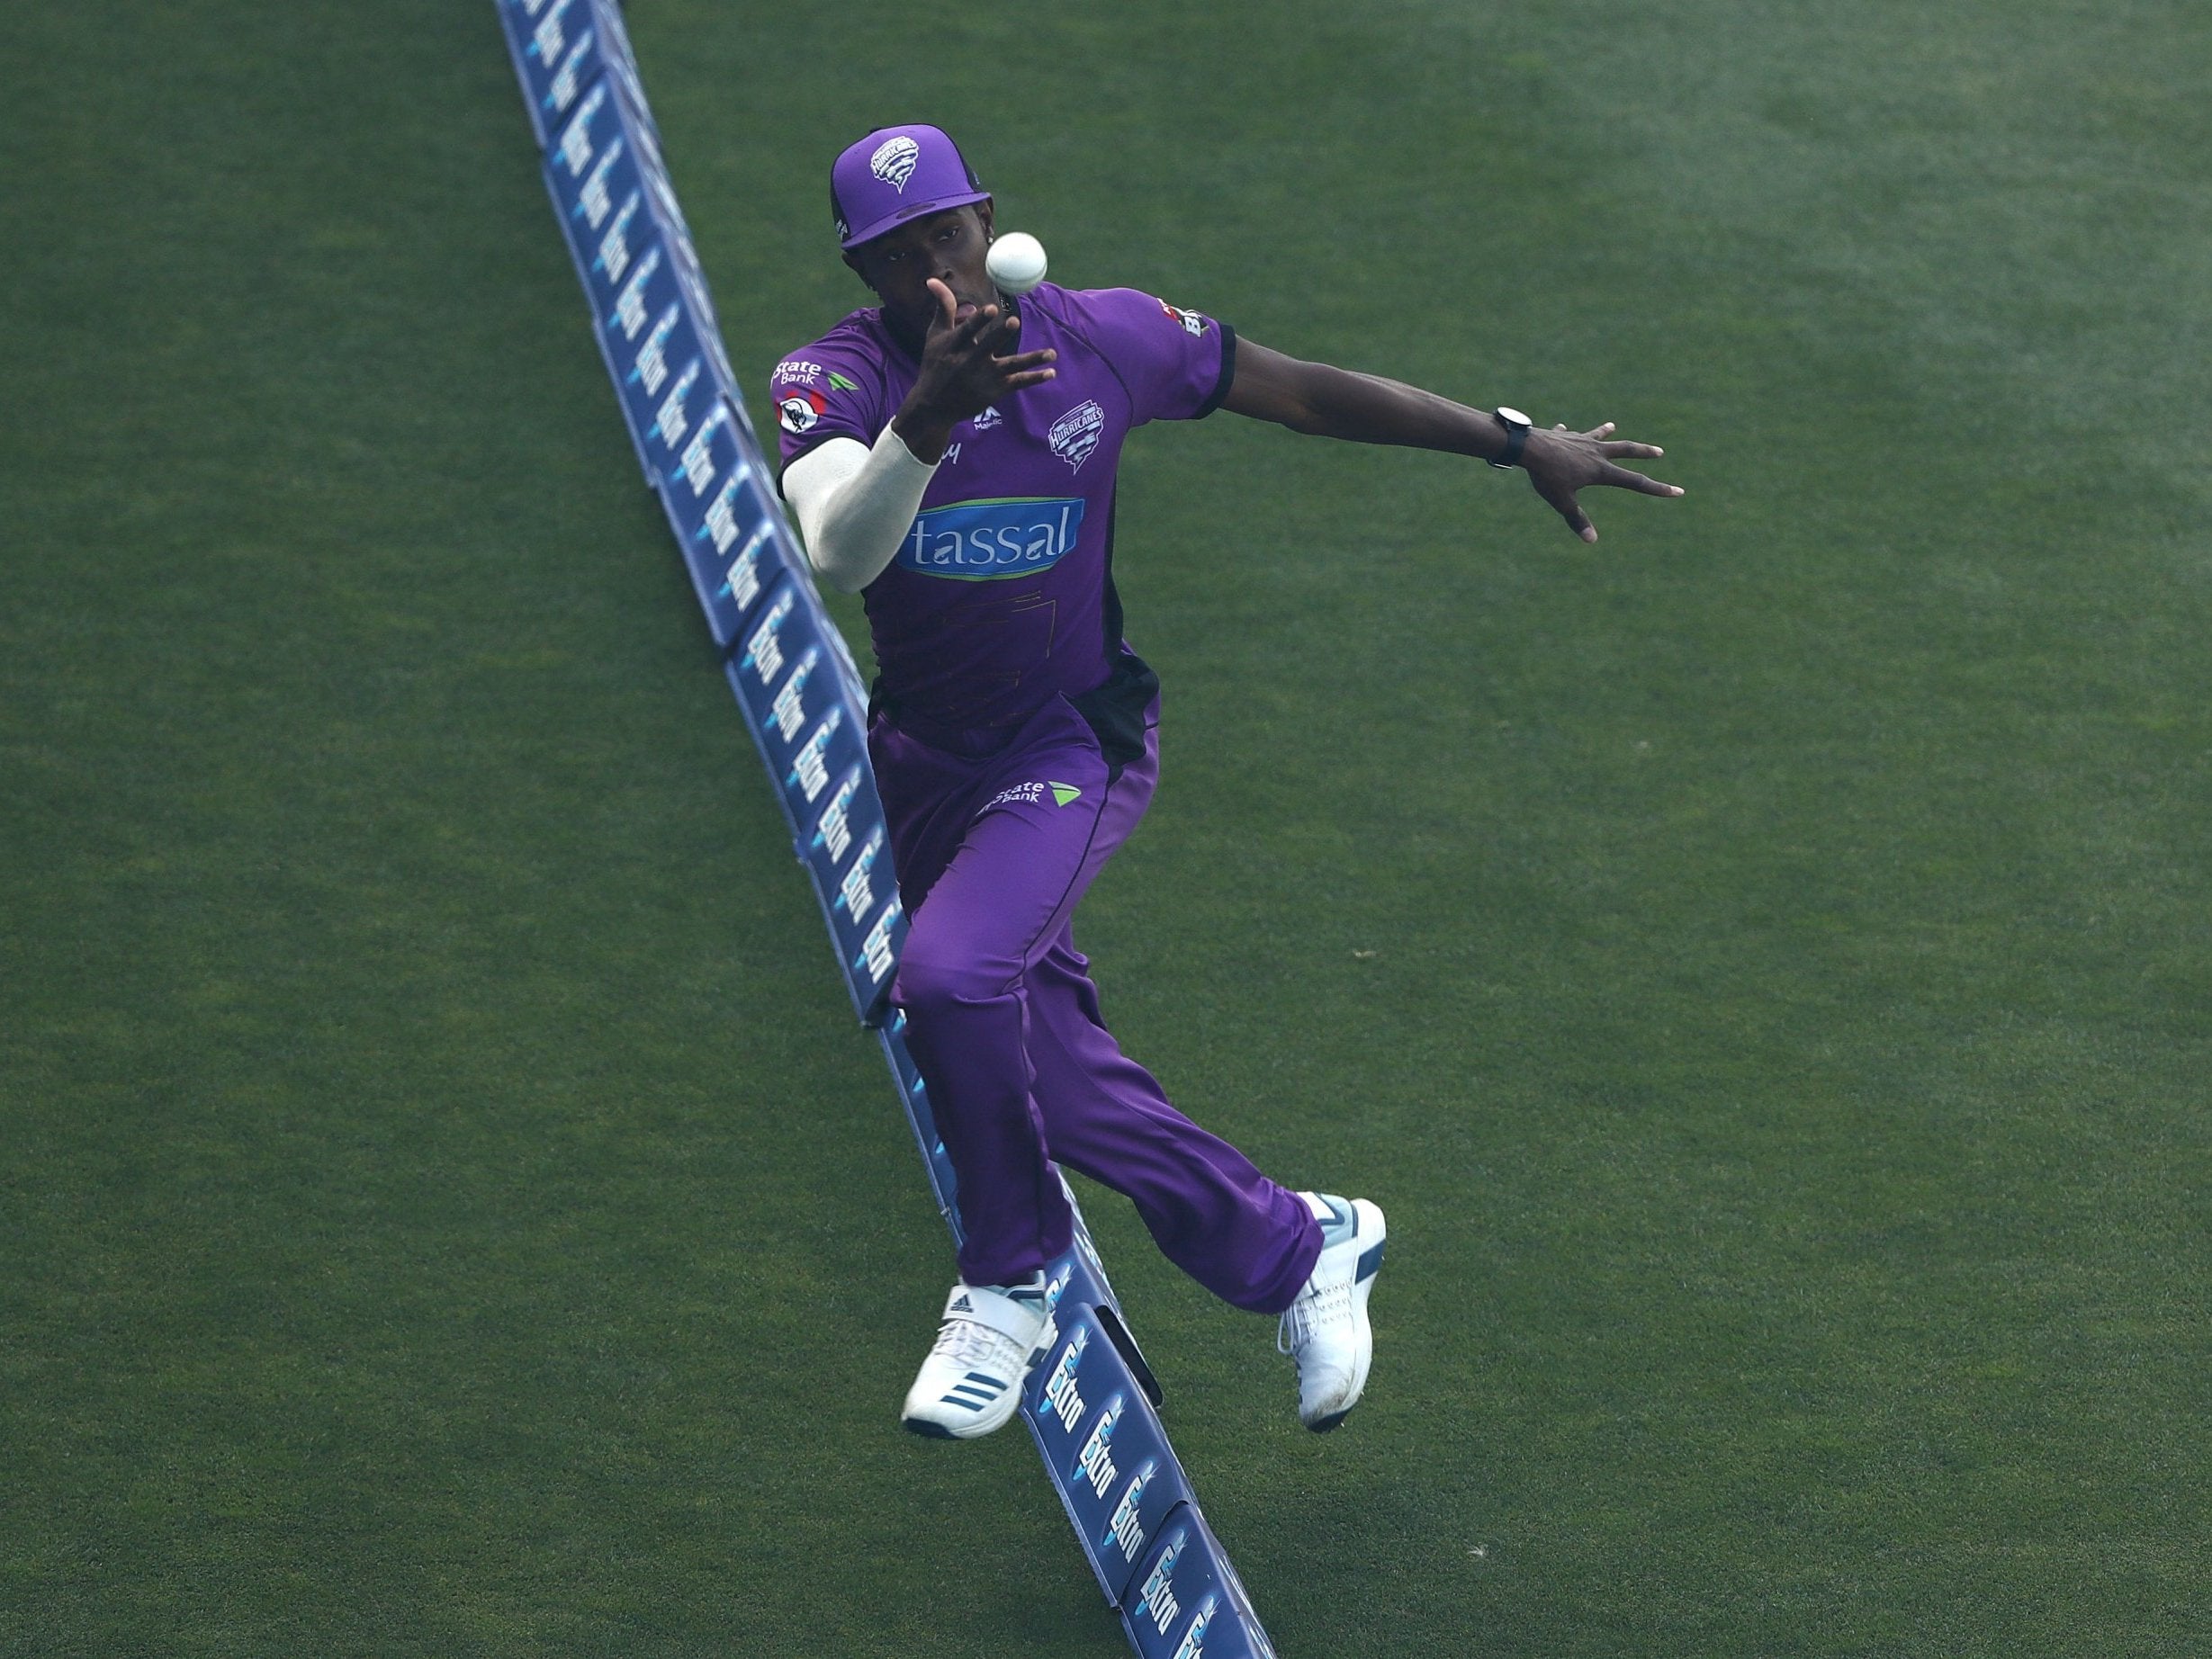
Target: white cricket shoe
(971, 1382)
(1326, 1330)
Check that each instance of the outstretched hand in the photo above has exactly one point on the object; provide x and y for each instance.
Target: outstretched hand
(1559, 462)
(962, 373)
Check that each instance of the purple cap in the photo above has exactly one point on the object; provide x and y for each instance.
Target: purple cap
(893, 174)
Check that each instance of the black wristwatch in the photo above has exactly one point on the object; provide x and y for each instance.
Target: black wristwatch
(1516, 425)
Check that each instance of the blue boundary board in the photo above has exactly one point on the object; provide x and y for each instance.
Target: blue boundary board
(1092, 1403)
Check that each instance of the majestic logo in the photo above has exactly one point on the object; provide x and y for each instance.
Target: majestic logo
(990, 541)
(1191, 322)
(1075, 434)
(989, 418)
(800, 410)
(894, 161)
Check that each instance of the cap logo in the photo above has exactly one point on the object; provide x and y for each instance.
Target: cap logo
(894, 161)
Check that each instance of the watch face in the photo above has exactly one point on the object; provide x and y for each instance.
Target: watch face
(1514, 417)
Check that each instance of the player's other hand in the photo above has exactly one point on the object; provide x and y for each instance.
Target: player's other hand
(1558, 463)
(967, 364)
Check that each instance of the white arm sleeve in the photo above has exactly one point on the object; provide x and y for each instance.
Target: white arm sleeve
(855, 505)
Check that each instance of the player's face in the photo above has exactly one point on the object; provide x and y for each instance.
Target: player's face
(950, 246)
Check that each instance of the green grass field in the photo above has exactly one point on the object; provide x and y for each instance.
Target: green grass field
(1761, 961)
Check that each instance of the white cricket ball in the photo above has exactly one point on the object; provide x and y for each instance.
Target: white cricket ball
(1016, 262)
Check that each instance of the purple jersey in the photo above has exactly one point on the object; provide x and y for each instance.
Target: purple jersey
(1002, 595)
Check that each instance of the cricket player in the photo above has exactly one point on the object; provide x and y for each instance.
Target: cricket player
(950, 455)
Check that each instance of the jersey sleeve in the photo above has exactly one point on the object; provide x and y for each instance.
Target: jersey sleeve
(1176, 364)
(822, 391)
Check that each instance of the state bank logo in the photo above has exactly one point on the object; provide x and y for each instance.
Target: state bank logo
(1076, 433)
(990, 541)
(894, 161)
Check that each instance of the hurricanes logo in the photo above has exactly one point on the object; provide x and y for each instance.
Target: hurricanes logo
(1076, 433)
(800, 410)
(893, 161)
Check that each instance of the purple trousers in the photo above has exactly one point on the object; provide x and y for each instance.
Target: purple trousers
(993, 852)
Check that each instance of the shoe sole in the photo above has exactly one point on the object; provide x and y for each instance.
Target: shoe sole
(1363, 1284)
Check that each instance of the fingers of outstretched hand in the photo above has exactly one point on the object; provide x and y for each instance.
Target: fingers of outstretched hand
(1621, 478)
(1563, 503)
(1607, 451)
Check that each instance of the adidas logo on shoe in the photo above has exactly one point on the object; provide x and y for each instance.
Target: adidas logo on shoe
(971, 1382)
